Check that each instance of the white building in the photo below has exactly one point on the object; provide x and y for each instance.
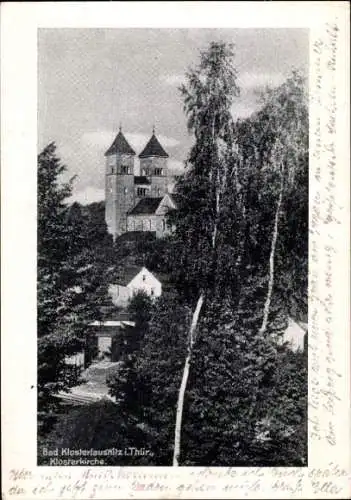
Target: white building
(133, 281)
(295, 335)
(76, 359)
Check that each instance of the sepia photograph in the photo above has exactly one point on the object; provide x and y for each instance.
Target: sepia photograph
(172, 247)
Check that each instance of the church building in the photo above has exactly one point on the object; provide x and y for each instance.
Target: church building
(137, 202)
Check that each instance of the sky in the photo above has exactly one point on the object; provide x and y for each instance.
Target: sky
(91, 81)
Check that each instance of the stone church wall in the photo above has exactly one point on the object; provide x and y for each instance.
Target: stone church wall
(153, 223)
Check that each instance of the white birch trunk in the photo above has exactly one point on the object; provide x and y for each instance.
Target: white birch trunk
(271, 263)
(214, 234)
(181, 394)
(180, 403)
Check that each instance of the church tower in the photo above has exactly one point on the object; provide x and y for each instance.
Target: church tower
(153, 165)
(119, 184)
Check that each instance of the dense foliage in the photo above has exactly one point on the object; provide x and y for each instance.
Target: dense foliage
(71, 285)
(248, 255)
(98, 427)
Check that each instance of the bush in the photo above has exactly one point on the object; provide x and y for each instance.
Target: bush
(97, 426)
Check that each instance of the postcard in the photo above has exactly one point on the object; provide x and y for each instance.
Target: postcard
(175, 250)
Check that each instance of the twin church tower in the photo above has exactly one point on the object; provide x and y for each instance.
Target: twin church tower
(137, 202)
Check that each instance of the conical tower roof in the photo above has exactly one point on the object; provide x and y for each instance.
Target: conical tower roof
(120, 145)
(153, 148)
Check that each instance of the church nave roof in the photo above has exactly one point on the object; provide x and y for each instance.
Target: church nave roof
(146, 206)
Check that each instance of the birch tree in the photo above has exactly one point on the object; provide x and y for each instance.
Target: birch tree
(280, 139)
(286, 108)
(234, 361)
(208, 97)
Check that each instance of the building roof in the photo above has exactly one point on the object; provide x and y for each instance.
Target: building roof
(153, 148)
(146, 206)
(120, 145)
(112, 323)
(126, 275)
(141, 179)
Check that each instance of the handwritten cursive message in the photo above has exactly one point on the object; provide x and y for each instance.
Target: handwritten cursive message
(222, 482)
(325, 375)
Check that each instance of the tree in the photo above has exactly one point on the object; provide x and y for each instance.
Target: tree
(52, 234)
(53, 240)
(128, 390)
(245, 402)
(96, 426)
(283, 125)
(160, 363)
(240, 179)
(208, 98)
(236, 360)
(68, 282)
(126, 385)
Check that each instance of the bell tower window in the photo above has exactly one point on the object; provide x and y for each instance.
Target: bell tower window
(146, 225)
(158, 171)
(125, 169)
(111, 161)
